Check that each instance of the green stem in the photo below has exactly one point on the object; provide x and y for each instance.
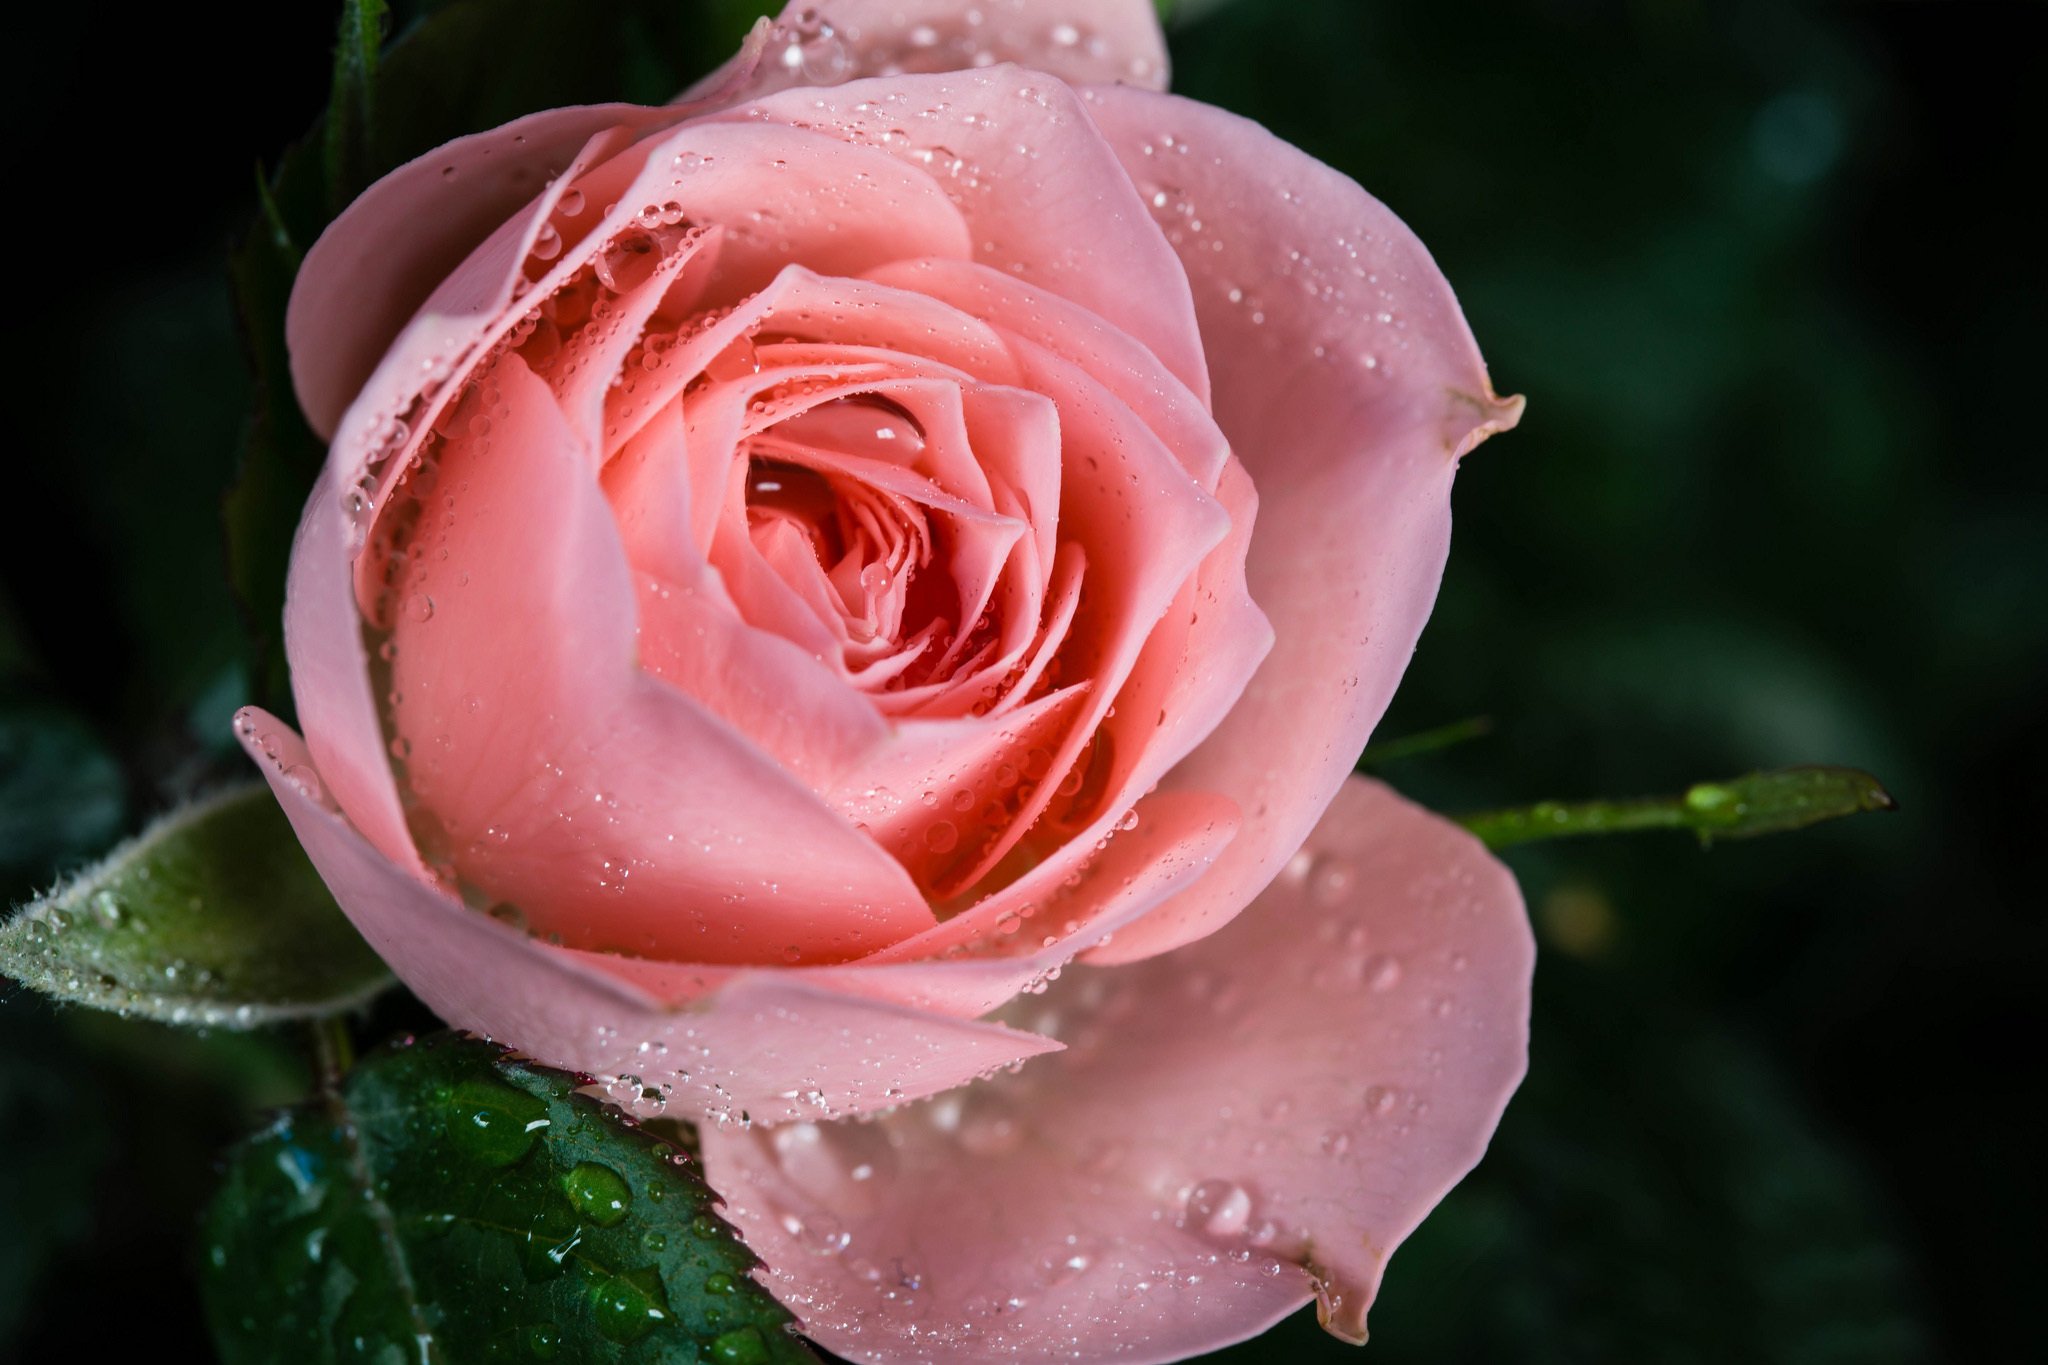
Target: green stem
(334, 1052)
(1759, 803)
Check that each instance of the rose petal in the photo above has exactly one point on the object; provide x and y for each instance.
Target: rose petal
(404, 236)
(374, 265)
(771, 1045)
(1351, 388)
(1178, 414)
(608, 807)
(985, 955)
(1299, 1089)
(330, 670)
(1082, 41)
(1025, 166)
(1190, 676)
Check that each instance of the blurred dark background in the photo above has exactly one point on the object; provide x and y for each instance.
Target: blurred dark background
(1766, 273)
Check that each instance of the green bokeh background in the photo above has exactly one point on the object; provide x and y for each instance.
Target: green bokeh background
(1764, 271)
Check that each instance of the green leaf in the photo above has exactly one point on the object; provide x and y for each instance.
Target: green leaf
(212, 916)
(1741, 808)
(352, 102)
(448, 1204)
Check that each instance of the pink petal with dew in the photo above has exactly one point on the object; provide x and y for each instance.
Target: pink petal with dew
(404, 236)
(821, 42)
(330, 669)
(1349, 385)
(380, 260)
(981, 958)
(1177, 413)
(588, 796)
(1020, 159)
(769, 1045)
(1255, 1120)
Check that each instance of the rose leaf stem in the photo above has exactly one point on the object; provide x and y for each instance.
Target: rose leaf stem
(1758, 803)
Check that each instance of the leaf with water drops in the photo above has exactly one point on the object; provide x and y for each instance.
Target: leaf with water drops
(211, 916)
(448, 1203)
(1741, 808)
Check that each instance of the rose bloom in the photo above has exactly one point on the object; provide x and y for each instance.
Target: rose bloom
(798, 568)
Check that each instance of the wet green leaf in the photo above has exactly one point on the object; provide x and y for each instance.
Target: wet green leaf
(212, 916)
(1741, 808)
(449, 1204)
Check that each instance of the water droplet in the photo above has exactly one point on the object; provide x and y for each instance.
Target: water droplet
(865, 426)
(630, 1305)
(494, 1124)
(543, 1343)
(307, 782)
(1383, 973)
(741, 1346)
(1066, 1261)
(1331, 881)
(598, 1193)
(551, 1238)
(817, 1232)
(1220, 1208)
(628, 261)
(941, 836)
(736, 361)
(419, 607)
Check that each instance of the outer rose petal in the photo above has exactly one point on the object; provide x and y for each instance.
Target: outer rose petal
(773, 1045)
(1080, 41)
(323, 638)
(1349, 385)
(378, 262)
(375, 264)
(1302, 1086)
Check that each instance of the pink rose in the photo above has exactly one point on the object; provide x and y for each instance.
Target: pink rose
(798, 567)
